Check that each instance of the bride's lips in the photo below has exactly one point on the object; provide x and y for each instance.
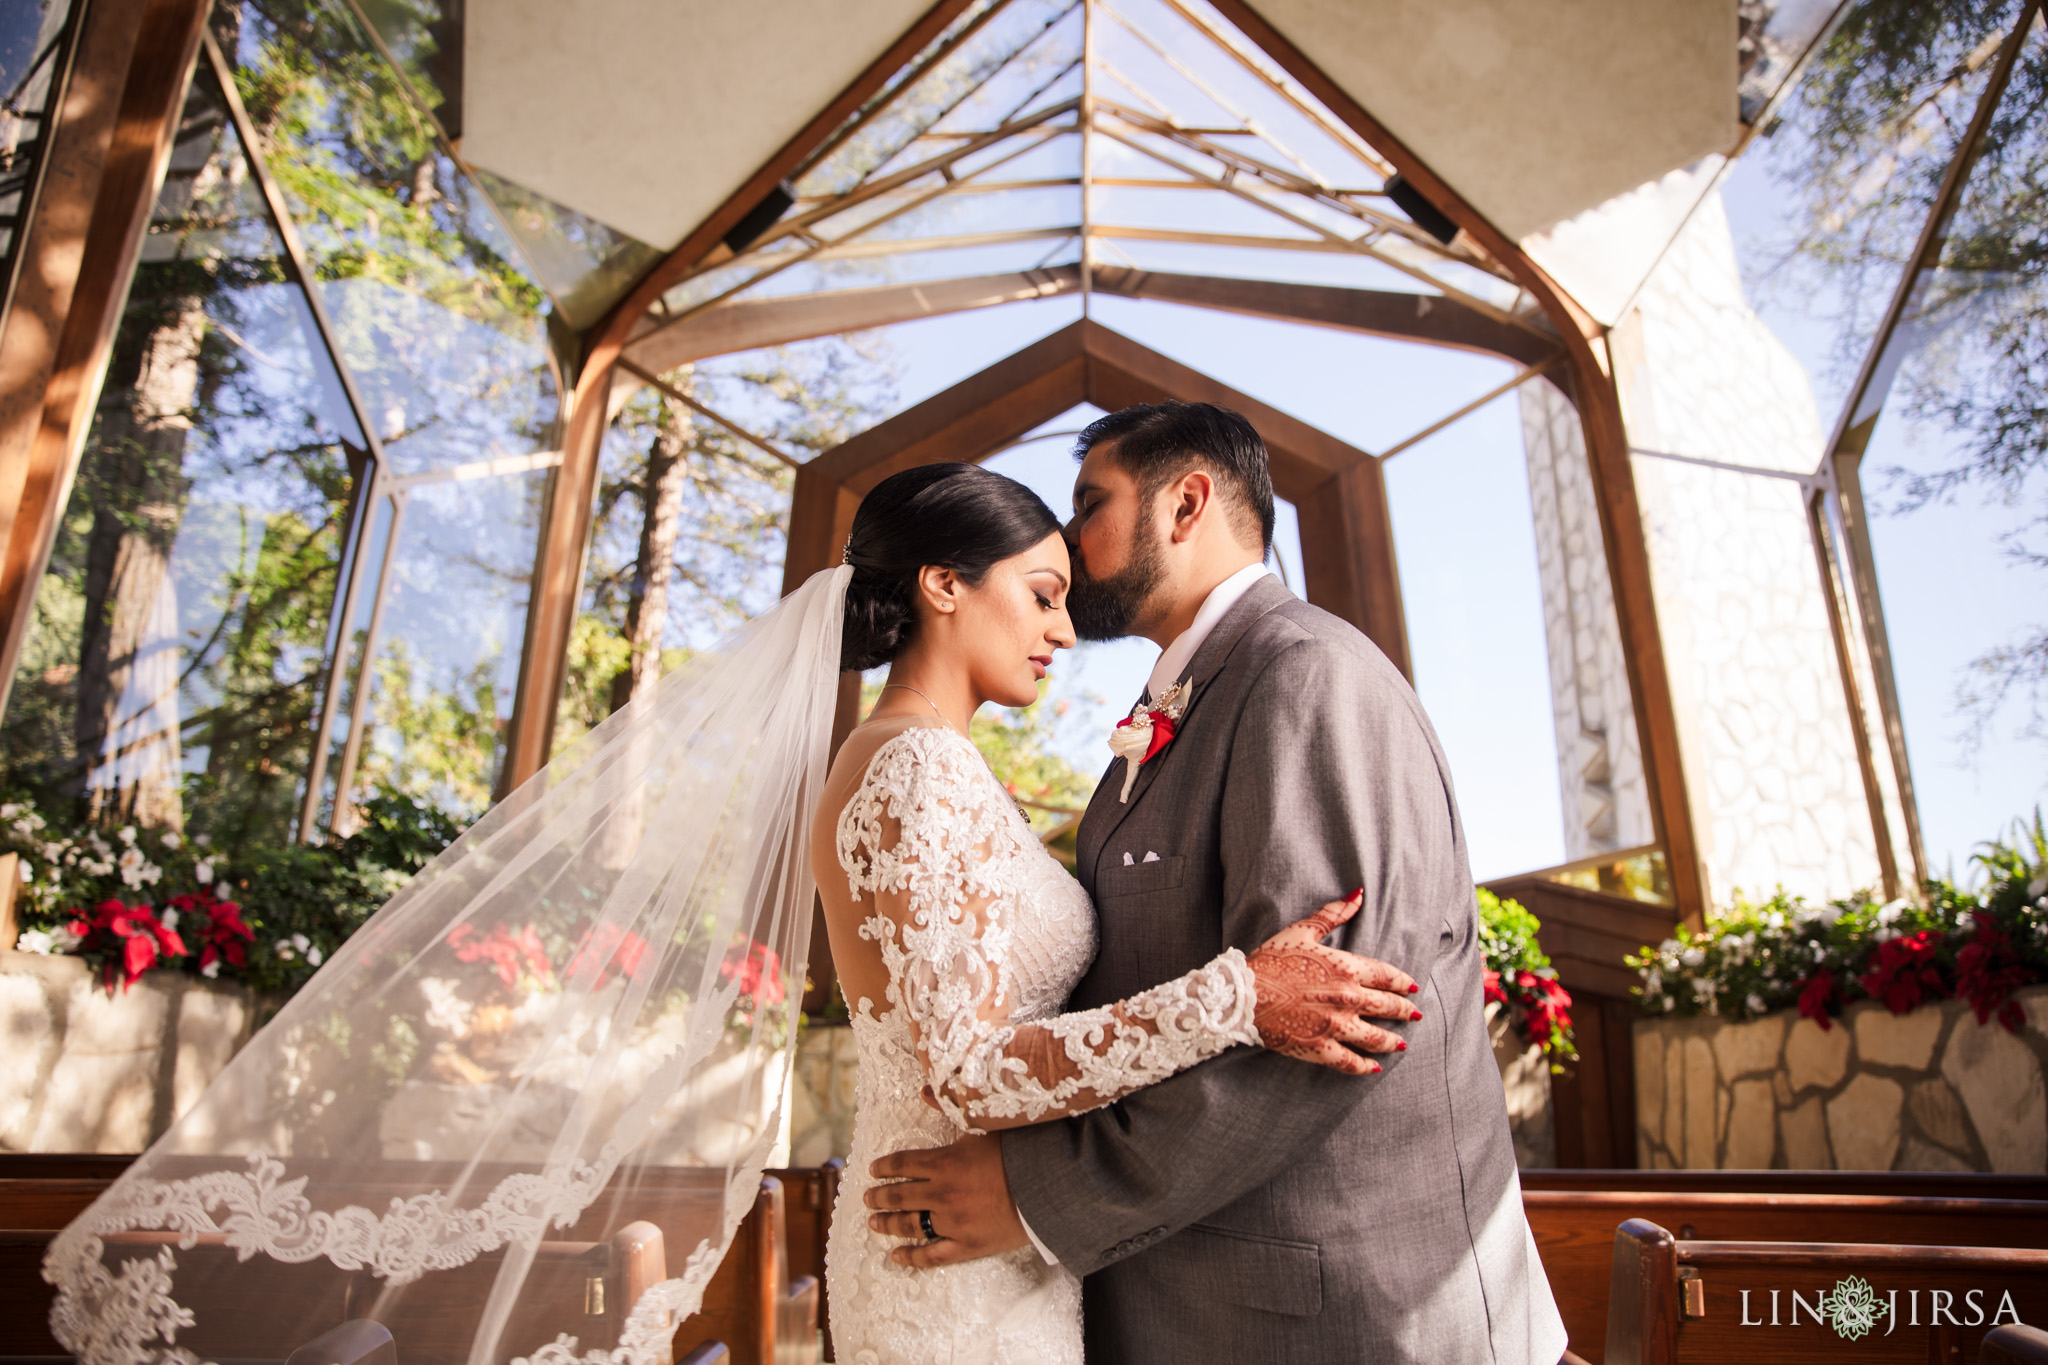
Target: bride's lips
(1041, 664)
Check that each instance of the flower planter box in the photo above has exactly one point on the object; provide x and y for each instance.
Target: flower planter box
(1932, 1090)
(85, 1072)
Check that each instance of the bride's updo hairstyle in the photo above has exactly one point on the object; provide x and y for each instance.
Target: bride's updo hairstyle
(955, 516)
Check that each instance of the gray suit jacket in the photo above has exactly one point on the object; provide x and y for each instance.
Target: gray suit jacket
(1257, 1208)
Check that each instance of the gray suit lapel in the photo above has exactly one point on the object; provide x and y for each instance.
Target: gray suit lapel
(1105, 811)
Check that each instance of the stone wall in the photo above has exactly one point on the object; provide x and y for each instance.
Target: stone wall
(1933, 1090)
(84, 1072)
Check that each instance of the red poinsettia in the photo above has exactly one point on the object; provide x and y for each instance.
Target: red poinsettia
(759, 972)
(1546, 1006)
(1905, 972)
(126, 941)
(223, 937)
(1988, 971)
(608, 949)
(1495, 995)
(1816, 995)
(509, 954)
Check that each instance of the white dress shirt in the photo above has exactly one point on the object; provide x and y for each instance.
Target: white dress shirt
(1175, 658)
(1172, 665)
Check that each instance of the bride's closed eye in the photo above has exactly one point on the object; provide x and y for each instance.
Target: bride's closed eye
(1044, 602)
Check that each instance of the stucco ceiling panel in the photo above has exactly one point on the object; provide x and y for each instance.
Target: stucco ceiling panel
(1533, 110)
(648, 114)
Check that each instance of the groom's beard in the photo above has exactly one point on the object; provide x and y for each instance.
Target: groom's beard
(1106, 608)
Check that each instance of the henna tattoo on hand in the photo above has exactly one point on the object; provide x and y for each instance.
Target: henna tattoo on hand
(1311, 997)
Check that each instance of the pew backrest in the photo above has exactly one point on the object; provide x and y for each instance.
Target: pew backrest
(1574, 1232)
(1673, 1301)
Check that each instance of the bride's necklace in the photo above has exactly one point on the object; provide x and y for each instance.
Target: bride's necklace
(1022, 809)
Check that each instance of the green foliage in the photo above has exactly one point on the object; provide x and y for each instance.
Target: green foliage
(302, 901)
(1521, 980)
(1761, 956)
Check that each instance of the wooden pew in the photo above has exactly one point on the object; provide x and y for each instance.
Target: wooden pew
(753, 1305)
(1677, 1301)
(1574, 1227)
(810, 1193)
(763, 1306)
(2010, 1345)
(580, 1288)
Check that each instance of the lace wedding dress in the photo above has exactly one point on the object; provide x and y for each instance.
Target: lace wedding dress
(983, 935)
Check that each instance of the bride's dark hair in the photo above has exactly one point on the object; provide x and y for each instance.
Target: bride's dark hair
(957, 516)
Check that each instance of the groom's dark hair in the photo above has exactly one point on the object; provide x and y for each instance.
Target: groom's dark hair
(1158, 442)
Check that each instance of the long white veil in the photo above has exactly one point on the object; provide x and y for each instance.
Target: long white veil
(578, 1018)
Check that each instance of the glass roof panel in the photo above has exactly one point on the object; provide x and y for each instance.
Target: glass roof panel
(1008, 30)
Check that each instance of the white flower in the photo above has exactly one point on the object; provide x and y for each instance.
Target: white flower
(301, 942)
(2038, 887)
(1693, 957)
(315, 956)
(221, 891)
(132, 863)
(284, 950)
(27, 873)
(1755, 1003)
(204, 870)
(211, 969)
(1668, 946)
(1775, 919)
(35, 941)
(127, 835)
(169, 919)
(11, 809)
(171, 839)
(202, 840)
(1653, 982)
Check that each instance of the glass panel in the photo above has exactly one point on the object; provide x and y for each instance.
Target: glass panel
(439, 322)
(1770, 759)
(691, 522)
(1603, 790)
(1827, 206)
(446, 661)
(1953, 478)
(34, 43)
(1472, 591)
(175, 662)
(891, 135)
(585, 265)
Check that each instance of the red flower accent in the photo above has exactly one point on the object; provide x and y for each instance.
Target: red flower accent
(759, 972)
(128, 940)
(1162, 733)
(217, 924)
(1988, 970)
(504, 951)
(1494, 994)
(607, 948)
(1905, 974)
(1816, 993)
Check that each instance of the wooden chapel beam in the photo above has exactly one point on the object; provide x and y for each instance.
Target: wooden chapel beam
(565, 515)
(1591, 385)
(110, 142)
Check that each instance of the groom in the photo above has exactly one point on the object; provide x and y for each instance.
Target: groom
(1257, 1208)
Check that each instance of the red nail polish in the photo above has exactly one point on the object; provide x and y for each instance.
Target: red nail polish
(1400, 1045)
(1414, 1015)
(1412, 988)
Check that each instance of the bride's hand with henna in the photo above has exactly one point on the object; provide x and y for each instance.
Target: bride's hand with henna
(1314, 1001)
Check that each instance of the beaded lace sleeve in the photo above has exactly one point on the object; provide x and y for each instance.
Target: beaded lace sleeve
(934, 843)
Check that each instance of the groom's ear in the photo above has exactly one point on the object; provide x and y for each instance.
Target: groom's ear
(1193, 500)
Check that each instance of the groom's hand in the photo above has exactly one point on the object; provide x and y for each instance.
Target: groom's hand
(963, 1188)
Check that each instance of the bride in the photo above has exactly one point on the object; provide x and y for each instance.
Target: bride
(957, 937)
(576, 1025)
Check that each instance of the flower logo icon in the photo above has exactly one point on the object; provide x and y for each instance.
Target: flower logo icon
(1852, 1308)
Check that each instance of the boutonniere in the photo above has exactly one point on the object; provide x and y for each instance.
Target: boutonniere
(1147, 730)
